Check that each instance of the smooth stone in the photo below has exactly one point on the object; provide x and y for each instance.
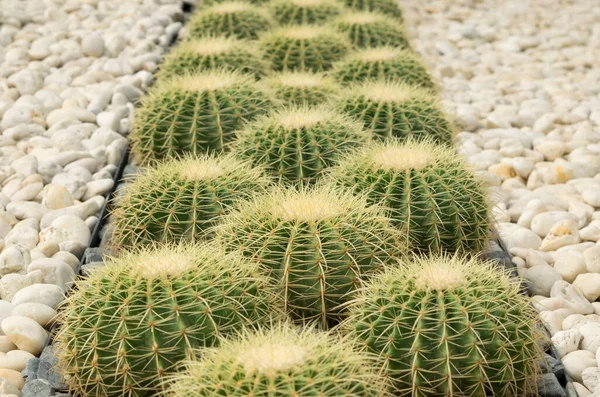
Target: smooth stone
(574, 321)
(97, 188)
(40, 313)
(569, 264)
(552, 320)
(572, 296)
(10, 284)
(543, 223)
(591, 378)
(589, 285)
(12, 376)
(27, 193)
(48, 249)
(92, 45)
(56, 272)
(6, 345)
(66, 228)
(72, 113)
(592, 259)
(47, 294)
(562, 234)
(7, 389)
(56, 197)
(13, 259)
(591, 337)
(581, 390)
(5, 309)
(15, 360)
(517, 236)
(24, 332)
(575, 362)
(541, 279)
(566, 341)
(68, 258)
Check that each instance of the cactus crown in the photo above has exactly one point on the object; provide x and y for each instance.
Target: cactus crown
(303, 88)
(150, 308)
(463, 312)
(288, 12)
(387, 7)
(239, 19)
(433, 196)
(316, 244)
(372, 29)
(362, 18)
(281, 361)
(296, 144)
(181, 199)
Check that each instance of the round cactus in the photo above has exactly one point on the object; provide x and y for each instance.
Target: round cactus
(381, 63)
(231, 18)
(288, 12)
(394, 109)
(432, 196)
(387, 7)
(195, 114)
(315, 243)
(181, 199)
(372, 29)
(302, 88)
(297, 144)
(304, 47)
(282, 361)
(212, 52)
(449, 326)
(131, 322)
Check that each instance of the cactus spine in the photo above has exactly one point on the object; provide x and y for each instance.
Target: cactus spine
(289, 12)
(302, 88)
(237, 19)
(372, 29)
(130, 323)
(450, 326)
(316, 244)
(431, 195)
(387, 7)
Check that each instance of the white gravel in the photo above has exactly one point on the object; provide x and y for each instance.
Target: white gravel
(523, 79)
(70, 73)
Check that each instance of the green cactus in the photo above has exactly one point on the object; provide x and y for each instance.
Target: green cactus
(289, 12)
(213, 52)
(394, 109)
(131, 322)
(449, 326)
(304, 47)
(372, 29)
(181, 199)
(432, 195)
(302, 88)
(387, 7)
(195, 114)
(239, 19)
(381, 63)
(298, 143)
(282, 361)
(315, 243)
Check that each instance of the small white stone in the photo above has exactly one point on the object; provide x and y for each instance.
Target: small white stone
(561, 234)
(552, 320)
(10, 284)
(97, 188)
(552, 150)
(575, 362)
(542, 223)
(92, 45)
(581, 390)
(541, 279)
(589, 284)
(566, 341)
(591, 378)
(592, 196)
(56, 197)
(15, 360)
(591, 337)
(24, 332)
(66, 228)
(570, 294)
(47, 294)
(13, 377)
(517, 236)
(569, 264)
(575, 321)
(40, 313)
(13, 259)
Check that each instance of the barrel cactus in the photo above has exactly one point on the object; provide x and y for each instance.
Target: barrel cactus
(450, 326)
(239, 19)
(302, 88)
(315, 243)
(432, 195)
(296, 144)
(289, 12)
(195, 114)
(395, 109)
(304, 47)
(282, 361)
(387, 7)
(131, 322)
(213, 52)
(181, 199)
(381, 63)
(372, 29)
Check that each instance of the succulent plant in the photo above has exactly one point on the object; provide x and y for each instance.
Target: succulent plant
(195, 114)
(239, 19)
(298, 143)
(180, 199)
(213, 52)
(282, 361)
(315, 243)
(383, 63)
(394, 109)
(372, 29)
(431, 194)
(387, 7)
(131, 322)
(304, 47)
(302, 88)
(289, 12)
(450, 326)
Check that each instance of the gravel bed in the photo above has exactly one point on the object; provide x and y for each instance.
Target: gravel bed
(70, 75)
(522, 79)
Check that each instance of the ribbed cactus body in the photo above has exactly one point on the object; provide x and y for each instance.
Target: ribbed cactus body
(367, 29)
(302, 88)
(195, 114)
(181, 199)
(316, 244)
(242, 20)
(304, 47)
(298, 143)
(289, 12)
(393, 109)
(447, 326)
(387, 7)
(283, 362)
(385, 62)
(432, 196)
(213, 52)
(130, 323)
